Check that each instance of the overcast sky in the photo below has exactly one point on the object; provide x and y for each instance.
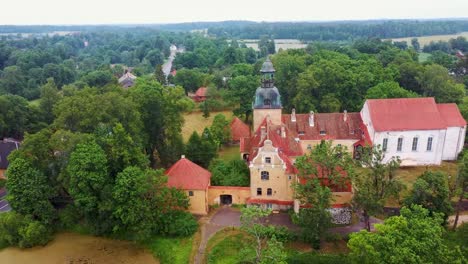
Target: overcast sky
(172, 11)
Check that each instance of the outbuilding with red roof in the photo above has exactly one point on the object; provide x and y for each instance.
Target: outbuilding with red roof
(194, 180)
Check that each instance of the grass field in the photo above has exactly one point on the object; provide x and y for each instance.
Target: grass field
(279, 44)
(229, 153)
(424, 40)
(195, 121)
(171, 250)
(423, 57)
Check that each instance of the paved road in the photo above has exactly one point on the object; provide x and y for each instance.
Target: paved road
(4, 206)
(168, 65)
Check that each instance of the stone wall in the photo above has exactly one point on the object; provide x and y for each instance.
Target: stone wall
(341, 216)
(239, 194)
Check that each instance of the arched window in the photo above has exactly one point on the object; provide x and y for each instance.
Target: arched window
(265, 175)
(414, 146)
(400, 144)
(269, 192)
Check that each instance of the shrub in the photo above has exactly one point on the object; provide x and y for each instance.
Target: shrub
(69, 217)
(178, 223)
(22, 231)
(281, 233)
(312, 257)
(2, 183)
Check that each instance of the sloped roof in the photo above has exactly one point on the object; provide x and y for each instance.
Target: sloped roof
(187, 175)
(6, 147)
(239, 129)
(127, 76)
(451, 115)
(405, 114)
(333, 124)
(202, 91)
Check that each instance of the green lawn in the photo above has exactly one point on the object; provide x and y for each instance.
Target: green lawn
(171, 250)
(195, 121)
(423, 57)
(224, 247)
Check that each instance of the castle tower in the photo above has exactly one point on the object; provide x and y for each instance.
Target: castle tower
(267, 98)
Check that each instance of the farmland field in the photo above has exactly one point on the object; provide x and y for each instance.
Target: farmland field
(425, 40)
(279, 44)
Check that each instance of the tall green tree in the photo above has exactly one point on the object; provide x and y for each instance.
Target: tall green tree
(324, 166)
(462, 186)
(376, 183)
(220, 129)
(431, 191)
(412, 237)
(159, 74)
(388, 90)
(30, 192)
(90, 185)
(436, 81)
(49, 97)
(201, 149)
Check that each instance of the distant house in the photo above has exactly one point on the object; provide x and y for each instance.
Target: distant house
(127, 80)
(7, 145)
(460, 54)
(239, 130)
(200, 95)
(194, 180)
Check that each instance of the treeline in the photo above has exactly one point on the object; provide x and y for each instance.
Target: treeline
(340, 30)
(82, 59)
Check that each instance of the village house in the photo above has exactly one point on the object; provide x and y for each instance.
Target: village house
(127, 80)
(200, 95)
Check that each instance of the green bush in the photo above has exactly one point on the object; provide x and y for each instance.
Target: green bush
(2, 183)
(69, 217)
(22, 231)
(282, 234)
(311, 257)
(178, 223)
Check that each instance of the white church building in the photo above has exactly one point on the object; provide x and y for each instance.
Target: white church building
(417, 130)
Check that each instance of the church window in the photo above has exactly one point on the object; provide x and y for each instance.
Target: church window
(385, 144)
(400, 144)
(414, 147)
(265, 175)
(429, 144)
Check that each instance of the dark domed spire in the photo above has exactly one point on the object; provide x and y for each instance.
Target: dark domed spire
(267, 66)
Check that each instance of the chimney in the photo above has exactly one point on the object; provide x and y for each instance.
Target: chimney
(311, 119)
(293, 115)
(263, 132)
(283, 132)
(182, 157)
(345, 116)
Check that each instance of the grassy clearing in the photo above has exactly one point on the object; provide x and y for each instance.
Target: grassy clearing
(425, 40)
(279, 44)
(423, 57)
(195, 121)
(171, 250)
(224, 247)
(35, 102)
(229, 153)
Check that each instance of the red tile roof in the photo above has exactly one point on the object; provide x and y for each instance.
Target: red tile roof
(187, 175)
(451, 115)
(405, 114)
(201, 92)
(333, 124)
(239, 129)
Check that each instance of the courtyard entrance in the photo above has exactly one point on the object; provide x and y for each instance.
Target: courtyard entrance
(225, 199)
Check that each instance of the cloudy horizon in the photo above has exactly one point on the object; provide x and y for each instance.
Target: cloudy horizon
(92, 12)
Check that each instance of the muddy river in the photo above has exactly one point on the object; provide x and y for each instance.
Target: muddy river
(70, 248)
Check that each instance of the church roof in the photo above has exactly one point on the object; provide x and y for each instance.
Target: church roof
(6, 147)
(404, 114)
(451, 115)
(239, 129)
(267, 66)
(185, 174)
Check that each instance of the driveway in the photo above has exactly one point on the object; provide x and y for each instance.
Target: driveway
(4, 206)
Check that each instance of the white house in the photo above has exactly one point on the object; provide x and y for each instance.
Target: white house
(417, 130)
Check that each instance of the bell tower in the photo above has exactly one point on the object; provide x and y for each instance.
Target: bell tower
(267, 98)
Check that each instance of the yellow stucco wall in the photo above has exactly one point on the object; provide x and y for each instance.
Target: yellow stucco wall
(346, 143)
(198, 202)
(260, 114)
(278, 180)
(239, 194)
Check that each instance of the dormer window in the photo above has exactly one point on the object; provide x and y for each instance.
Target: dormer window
(268, 160)
(267, 102)
(322, 132)
(301, 133)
